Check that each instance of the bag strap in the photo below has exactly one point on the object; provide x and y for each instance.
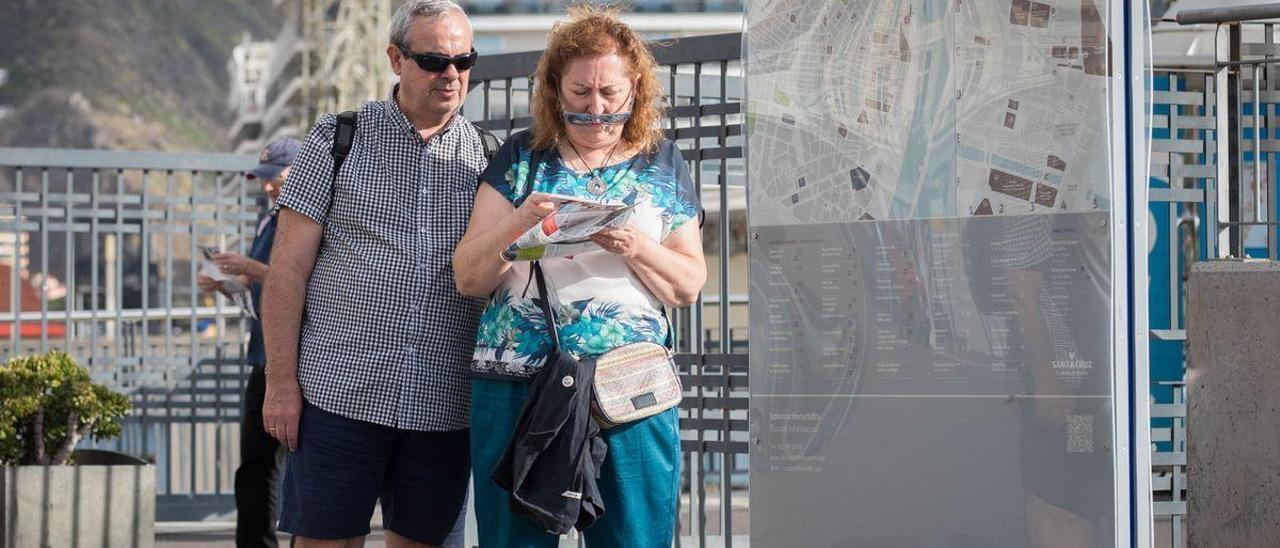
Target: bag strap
(490, 141)
(344, 134)
(544, 298)
(535, 158)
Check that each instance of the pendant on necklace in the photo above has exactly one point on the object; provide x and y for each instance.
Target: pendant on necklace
(596, 185)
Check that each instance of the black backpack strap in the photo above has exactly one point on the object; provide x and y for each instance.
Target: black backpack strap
(490, 142)
(344, 134)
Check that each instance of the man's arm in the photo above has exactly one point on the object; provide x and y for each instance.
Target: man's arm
(293, 256)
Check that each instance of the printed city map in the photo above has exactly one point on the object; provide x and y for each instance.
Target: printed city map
(931, 339)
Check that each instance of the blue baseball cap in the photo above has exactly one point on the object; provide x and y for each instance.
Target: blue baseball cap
(278, 155)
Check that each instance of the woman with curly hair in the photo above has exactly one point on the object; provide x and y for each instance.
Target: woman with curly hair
(595, 136)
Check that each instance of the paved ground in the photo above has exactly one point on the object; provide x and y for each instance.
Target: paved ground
(219, 534)
(210, 534)
(198, 534)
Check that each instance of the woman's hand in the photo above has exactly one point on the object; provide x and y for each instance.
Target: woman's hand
(673, 270)
(626, 242)
(534, 209)
(478, 265)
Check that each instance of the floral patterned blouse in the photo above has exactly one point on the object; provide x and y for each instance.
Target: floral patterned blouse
(600, 304)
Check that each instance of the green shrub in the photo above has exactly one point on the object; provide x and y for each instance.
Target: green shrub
(48, 404)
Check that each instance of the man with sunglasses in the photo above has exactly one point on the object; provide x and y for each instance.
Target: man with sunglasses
(368, 339)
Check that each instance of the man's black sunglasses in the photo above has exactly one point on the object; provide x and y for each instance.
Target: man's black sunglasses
(432, 62)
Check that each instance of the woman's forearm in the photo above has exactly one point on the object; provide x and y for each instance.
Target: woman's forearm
(477, 262)
(673, 277)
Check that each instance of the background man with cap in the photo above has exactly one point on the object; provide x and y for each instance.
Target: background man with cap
(260, 454)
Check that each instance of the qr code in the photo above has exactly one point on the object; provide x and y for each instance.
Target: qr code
(1079, 433)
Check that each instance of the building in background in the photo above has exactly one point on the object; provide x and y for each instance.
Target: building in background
(330, 56)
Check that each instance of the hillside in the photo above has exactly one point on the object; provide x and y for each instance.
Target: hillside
(122, 74)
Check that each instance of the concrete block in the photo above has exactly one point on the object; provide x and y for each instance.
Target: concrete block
(1233, 396)
(82, 505)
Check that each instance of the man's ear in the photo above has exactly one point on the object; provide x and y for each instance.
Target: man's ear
(393, 54)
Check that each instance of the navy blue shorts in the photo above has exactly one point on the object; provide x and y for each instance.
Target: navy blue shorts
(343, 466)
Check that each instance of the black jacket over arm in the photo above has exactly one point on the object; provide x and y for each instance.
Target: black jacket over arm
(553, 459)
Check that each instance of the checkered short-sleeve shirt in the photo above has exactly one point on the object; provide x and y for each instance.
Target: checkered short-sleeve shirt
(386, 338)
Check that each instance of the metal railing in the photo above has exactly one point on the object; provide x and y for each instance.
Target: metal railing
(120, 232)
(1243, 91)
(100, 251)
(1206, 208)
(1179, 197)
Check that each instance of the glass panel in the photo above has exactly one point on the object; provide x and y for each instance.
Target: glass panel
(930, 273)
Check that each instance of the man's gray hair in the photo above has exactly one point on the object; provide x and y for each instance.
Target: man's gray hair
(403, 18)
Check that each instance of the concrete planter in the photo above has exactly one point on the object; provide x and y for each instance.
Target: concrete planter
(88, 504)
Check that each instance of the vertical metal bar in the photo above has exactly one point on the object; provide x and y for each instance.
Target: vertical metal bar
(1269, 202)
(69, 264)
(118, 268)
(671, 113)
(220, 242)
(1236, 188)
(696, 318)
(1268, 206)
(1178, 432)
(15, 272)
(141, 403)
(217, 427)
(694, 510)
(1192, 252)
(44, 260)
(726, 457)
(1175, 247)
(245, 368)
(1219, 209)
(219, 215)
(193, 252)
(170, 456)
(145, 353)
(528, 96)
(1257, 144)
(169, 225)
(219, 348)
(94, 197)
(192, 450)
(510, 109)
(1175, 243)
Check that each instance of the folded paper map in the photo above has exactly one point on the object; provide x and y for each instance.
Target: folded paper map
(568, 230)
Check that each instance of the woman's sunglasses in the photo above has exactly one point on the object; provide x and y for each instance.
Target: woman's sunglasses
(588, 119)
(432, 62)
(606, 119)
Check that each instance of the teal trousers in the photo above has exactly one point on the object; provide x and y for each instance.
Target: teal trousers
(640, 480)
